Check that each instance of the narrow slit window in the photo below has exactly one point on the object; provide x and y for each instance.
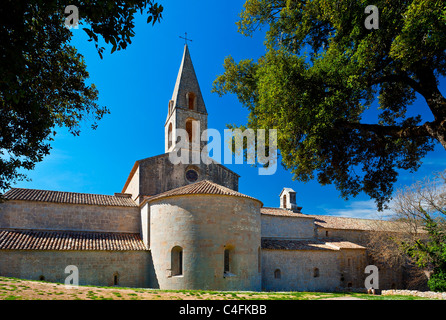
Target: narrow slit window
(177, 261)
(226, 262)
(259, 260)
(169, 136)
(180, 262)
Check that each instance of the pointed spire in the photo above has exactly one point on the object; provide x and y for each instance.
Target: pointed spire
(187, 82)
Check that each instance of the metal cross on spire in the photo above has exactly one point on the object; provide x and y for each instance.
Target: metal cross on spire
(185, 38)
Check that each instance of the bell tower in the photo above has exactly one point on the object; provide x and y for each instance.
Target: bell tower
(186, 111)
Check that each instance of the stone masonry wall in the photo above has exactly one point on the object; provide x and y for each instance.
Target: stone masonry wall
(134, 268)
(337, 269)
(422, 294)
(355, 236)
(352, 264)
(169, 176)
(297, 269)
(133, 186)
(55, 216)
(389, 277)
(287, 227)
(204, 226)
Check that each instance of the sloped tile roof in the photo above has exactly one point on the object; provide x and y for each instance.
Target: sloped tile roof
(68, 197)
(285, 244)
(341, 223)
(201, 187)
(334, 222)
(69, 240)
(308, 244)
(341, 244)
(282, 212)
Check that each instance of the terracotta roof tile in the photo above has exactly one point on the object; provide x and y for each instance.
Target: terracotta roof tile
(341, 244)
(201, 187)
(308, 244)
(286, 244)
(282, 212)
(69, 240)
(333, 222)
(341, 223)
(68, 197)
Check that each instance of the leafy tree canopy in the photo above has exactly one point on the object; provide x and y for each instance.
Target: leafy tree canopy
(323, 69)
(424, 205)
(43, 78)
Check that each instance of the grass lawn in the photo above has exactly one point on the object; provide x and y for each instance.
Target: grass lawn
(18, 289)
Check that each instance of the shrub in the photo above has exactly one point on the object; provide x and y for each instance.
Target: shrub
(437, 281)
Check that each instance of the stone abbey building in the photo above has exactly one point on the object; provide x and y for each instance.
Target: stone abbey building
(179, 226)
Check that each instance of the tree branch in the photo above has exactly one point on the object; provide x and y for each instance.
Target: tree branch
(400, 78)
(393, 131)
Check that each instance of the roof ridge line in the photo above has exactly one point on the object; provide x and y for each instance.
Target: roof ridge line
(70, 192)
(201, 187)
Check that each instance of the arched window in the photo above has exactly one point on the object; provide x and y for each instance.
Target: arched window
(169, 136)
(277, 274)
(315, 272)
(189, 129)
(177, 261)
(190, 97)
(115, 279)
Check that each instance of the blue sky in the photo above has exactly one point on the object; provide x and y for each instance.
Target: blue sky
(136, 85)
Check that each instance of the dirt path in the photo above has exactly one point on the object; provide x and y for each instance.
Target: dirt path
(12, 289)
(343, 298)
